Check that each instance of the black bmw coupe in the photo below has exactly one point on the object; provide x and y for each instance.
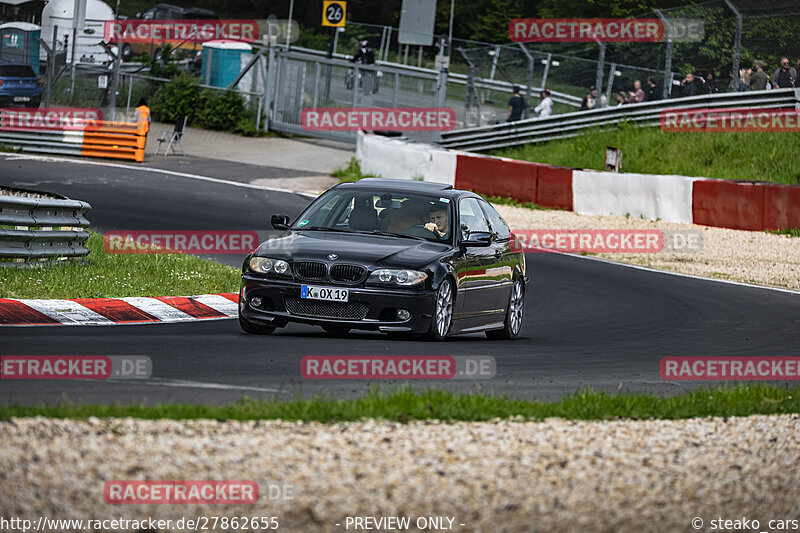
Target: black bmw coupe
(395, 256)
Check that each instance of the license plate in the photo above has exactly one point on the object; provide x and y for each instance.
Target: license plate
(330, 294)
(22, 98)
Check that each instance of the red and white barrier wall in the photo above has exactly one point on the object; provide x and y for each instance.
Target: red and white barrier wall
(705, 201)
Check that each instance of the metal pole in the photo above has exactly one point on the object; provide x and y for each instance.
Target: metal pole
(738, 44)
(488, 94)
(130, 89)
(546, 70)
(668, 61)
(335, 40)
(289, 29)
(529, 80)
(599, 81)
(450, 31)
(610, 85)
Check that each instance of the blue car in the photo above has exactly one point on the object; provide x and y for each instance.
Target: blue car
(19, 86)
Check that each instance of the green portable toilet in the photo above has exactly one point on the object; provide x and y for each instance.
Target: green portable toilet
(19, 43)
(222, 61)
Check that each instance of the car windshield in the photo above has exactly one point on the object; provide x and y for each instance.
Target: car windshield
(16, 71)
(412, 215)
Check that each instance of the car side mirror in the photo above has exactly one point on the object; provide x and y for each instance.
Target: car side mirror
(138, 15)
(280, 222)
(478, 238)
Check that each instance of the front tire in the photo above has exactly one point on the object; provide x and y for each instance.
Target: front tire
(514, 314)
(253, 328)
(442, 321)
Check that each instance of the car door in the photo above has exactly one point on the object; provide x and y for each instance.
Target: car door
(502, 269)
(477, 290)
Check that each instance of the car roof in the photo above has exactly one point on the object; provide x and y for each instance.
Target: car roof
(399, 185)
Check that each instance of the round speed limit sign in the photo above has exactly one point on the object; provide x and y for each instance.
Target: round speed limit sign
(333, 13)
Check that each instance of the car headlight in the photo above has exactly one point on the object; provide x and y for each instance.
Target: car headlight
(402, 277)
(265, 265)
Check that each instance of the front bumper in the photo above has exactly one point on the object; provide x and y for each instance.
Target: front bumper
(370, 308)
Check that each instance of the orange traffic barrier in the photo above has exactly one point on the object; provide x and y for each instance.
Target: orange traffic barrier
(118, 140)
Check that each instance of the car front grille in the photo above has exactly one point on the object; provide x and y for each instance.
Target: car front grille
(323, 309)
(347, 273)
(310, 270)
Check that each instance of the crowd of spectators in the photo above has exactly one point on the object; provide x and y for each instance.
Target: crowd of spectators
(750, 79)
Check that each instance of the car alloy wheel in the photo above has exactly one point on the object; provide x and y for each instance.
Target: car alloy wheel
(514, 314)
(516, 307)
(443, 312)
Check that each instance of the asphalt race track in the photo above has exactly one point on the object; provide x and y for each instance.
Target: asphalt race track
(588, 323)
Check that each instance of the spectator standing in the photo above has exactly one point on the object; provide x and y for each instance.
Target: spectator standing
(651, 91)
(621, 99)
(590, 101)
(797, 80)
(784, 76)
(759, 78)
(516, 105)
(710, 85)
(637, 95)
(364, 55)
(688, 86)
(142, 114)
(545, 107)
(742, 83)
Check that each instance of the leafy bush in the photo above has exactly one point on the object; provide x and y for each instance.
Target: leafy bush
(220, 110)
(181, 97)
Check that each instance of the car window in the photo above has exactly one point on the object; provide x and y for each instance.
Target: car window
(471, 217)
(16, 71)
(357, 210)
(149, 14)
(500, 229)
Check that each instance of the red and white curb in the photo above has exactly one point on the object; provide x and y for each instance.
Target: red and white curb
(112, 311)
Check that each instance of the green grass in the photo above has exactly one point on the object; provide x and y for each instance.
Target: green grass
(763, 156)
(404, 405)
(794, 232)
(118, 275)
(352, 172)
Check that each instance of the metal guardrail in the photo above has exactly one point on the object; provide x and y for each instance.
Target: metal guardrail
(573, 124)
(36, 226)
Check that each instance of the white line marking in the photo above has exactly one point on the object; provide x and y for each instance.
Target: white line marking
(67, 312)
(148, 169)
(179, 383)
(157, 308)
(691, 276)
(218, 303)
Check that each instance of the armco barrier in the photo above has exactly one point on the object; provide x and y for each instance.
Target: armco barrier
(45, 227)
(117, 140)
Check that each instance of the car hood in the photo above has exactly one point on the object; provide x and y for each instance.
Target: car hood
(379, 250)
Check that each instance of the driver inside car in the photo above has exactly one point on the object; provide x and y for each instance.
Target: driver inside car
(438, 222)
